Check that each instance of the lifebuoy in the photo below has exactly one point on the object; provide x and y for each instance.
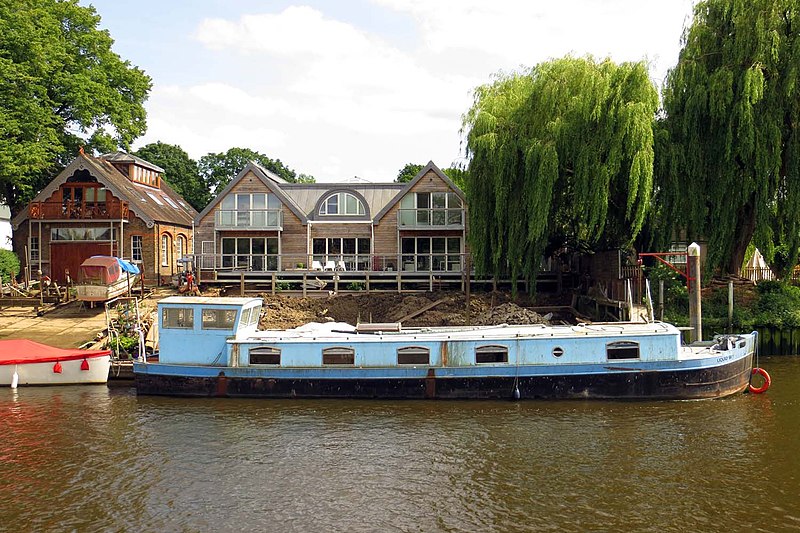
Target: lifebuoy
(765, 385)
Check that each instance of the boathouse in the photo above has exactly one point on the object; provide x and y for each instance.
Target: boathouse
(116, 204)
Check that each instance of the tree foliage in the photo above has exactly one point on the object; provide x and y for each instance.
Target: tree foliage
(61, 86)
(560, 155)
(180, 171)
(218, 169)
(9, 265)
(729, 160)
(410, 171)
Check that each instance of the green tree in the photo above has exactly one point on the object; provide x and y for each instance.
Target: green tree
(408, 172)
(61, 86)
(560, 155)
(218, 169)
(731, 151)
(180, 171)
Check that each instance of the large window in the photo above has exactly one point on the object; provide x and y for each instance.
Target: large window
(413, 355)
(265, 355)
(180, 244)
(94, 233)
(352, 252)
(250, 253)
(136, 247)
(178, 317)
(431, 209)
(250, 210)
(219, 318)
(431, 254)
(342, 203)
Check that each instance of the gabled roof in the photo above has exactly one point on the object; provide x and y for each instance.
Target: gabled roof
(271, 180)
(408, 186)
(140, 197)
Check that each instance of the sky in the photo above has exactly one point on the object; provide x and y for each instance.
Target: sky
(358, 88)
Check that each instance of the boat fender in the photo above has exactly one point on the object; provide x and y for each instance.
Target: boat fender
(85, 365)
(14, 379)
(765, 385)
(57, 368)
(516, 393)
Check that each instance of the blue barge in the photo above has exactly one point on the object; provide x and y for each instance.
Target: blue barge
(212, 347)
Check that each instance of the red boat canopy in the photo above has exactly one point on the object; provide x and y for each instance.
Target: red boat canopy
(21, 351)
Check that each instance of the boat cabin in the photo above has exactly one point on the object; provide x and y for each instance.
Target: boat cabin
(195, 330)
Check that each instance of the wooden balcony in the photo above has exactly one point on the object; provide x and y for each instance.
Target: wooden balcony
(111, 209)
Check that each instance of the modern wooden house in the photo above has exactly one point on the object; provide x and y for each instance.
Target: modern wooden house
(260, 224)
(116, 204)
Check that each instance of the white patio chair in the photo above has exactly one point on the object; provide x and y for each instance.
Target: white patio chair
(329, 265)
(340, 266)
(316, 265)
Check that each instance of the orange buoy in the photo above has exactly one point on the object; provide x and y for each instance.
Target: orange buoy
(764, 386)
(57, 368)
(85, 365)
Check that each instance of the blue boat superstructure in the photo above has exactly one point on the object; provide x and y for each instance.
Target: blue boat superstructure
(212, 347)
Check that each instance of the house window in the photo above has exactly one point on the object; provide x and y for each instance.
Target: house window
(34, 248)
(165, 249)
(250, 210)
(219, 318)
(339, 355)
(177, 318)
(155, 198)
(622, 350)
(491, 354)
(342, 203)
(431, 209)
(257, 254)
(413, 355)
(136, 247)
(431, 253)
(180, 244)
(353, 252)
(265, 355)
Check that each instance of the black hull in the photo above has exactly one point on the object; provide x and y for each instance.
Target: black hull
(715, 382)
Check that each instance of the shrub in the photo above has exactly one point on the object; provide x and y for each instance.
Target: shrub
(9, 265)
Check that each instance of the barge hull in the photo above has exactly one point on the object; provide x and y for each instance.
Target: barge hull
(696, 383)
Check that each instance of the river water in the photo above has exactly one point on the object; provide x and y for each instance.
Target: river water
(102, 459)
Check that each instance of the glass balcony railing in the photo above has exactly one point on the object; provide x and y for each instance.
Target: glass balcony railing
(434, 217)
(252, 219)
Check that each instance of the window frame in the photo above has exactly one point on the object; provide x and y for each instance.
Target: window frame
(187, 321)
(486, 350)
(339, 201)
(411, 351)
(621, 348)
(267, 352)
(135, 248)
(338, 352)
(220, 322)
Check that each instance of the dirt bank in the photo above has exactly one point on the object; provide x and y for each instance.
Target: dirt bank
(485, 308)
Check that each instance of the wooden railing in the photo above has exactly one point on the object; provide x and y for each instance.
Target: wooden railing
(110, 209)
(438, 262)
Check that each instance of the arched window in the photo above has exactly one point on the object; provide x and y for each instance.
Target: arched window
(180, 244)
(341, 203)
(165, 250)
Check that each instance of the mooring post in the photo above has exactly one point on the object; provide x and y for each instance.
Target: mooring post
(695, 311)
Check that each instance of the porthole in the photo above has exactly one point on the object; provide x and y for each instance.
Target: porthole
(558, 351)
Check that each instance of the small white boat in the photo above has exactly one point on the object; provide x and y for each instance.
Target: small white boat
(103, 277)
(25, 362)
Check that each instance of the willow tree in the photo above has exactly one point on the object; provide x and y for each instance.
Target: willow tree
(560, 155)
(731, 113)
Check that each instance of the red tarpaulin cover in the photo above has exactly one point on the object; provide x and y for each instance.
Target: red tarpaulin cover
(21, 351)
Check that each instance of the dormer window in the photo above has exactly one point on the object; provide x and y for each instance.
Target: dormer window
(342, 203)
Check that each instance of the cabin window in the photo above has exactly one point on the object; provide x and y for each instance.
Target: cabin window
(622, 350)
(558, 351)
(491, 354)
(339, 355)
(255, 313)
(413, 355)
(178, 317)
(219, 318)
(265, 355)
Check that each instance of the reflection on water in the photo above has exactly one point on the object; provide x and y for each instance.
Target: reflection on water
(93, 458)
